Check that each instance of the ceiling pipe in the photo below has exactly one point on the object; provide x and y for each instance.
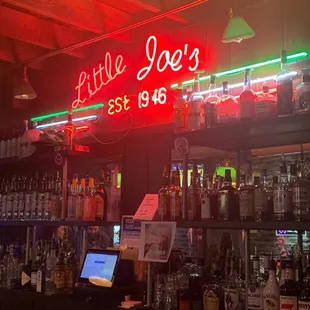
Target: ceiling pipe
(115, 32)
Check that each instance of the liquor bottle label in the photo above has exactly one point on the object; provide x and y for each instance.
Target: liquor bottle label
(223, 206)
(205, 207)
(271, 301)
(39, 281)
(255, 298)
(260, 200)
(282, 201)
(210, 300)
(246, 201)
(25, 278)
(303, 305)
(184, 305)
(288, 302)
(59, 279)
(231, 299)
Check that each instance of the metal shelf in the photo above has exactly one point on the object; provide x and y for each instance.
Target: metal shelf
(274, 225)
(253, 134)
(29, 223)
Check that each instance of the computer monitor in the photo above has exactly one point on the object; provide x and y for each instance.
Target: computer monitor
(99, 267)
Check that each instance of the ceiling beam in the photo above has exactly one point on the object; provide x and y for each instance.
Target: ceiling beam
(155, 9)
(78, 13)
(36, 31)
(21, 50)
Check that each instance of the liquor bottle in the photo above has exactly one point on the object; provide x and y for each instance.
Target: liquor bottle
(35, 187)
(255, 290)
(47, 198)
(271, 292)
(247, 98)
(205, 200)
(71, 269)
(284, 88)
(209, 199)
(195, 120)
(80, 200)
(266, 104)
(300, 194)
(14, 145)
(9, 145)
(56, 197)
(175, 192)
(50, 270)
(228, 200)
(14, 191)
(227, 107)
(40, 198)
(304, 296)
(89, 201)
(9, 202)
(195, 287)
(59, 273)
(34, 270)
(101, 198)
(21, 198)
(282, 197)
(3, 146)
(302, 95)
(194, 207)
(26, 277)
(260, 200)
(288, 290)
(164, 199)
(4, 200)
(212, 289)
(179, 108)
(69, 131)
(246, 198)
(241, 282)
(183, 297)
(231, 287)
(40, 288)
(71, 207)
(209, 105)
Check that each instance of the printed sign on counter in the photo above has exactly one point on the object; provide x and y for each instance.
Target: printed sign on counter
(131, 230)
(156, 241)
(147, 208)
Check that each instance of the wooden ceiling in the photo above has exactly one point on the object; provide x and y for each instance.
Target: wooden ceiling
(31, 28)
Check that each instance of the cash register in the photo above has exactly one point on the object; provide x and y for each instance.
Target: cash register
(105, 278)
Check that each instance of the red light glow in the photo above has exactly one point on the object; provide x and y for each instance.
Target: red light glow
(101, 76)
(165, 59)
(82, 128)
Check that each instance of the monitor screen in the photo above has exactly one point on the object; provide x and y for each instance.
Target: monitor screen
(99, 264)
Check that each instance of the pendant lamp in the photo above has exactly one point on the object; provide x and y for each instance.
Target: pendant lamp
(23, 90)
(237, 29)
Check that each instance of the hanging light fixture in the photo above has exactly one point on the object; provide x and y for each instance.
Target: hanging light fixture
(23, 89)
(237, 29)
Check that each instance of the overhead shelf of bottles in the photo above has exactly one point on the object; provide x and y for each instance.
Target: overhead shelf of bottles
(268, 225)
(30, 223)
(253, 134)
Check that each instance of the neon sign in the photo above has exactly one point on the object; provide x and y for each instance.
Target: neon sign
(101, 76)
(165, 59)
(121, 104)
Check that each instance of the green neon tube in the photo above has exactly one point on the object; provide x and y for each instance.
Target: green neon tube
(241, 69)
(90, 107)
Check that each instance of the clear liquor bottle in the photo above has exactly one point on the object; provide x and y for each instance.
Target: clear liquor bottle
(302, 95)
(228, 200)
(56, 197)
(256, 285)
(209, 200)
(227, 107)
(9, 201)
(15, 196)
(194, 194)
(195, 121)
(260, 200)
(209, 105)
(271, 292)
(180, 109)
(282, 197)
(34, 197)
(284, 88)
(164, 198)
(246, 198)
(232, 287)
(300, 194)
(266, 104)
(289, 289)
(21, 198)
(175, 192)
(247, 98)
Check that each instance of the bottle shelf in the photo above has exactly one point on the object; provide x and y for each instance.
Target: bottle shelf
(272, 225)
(56, 223)
(253, 134)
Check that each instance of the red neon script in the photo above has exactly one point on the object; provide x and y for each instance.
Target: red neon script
(118, 105)
(165, 59)
(100, 76)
